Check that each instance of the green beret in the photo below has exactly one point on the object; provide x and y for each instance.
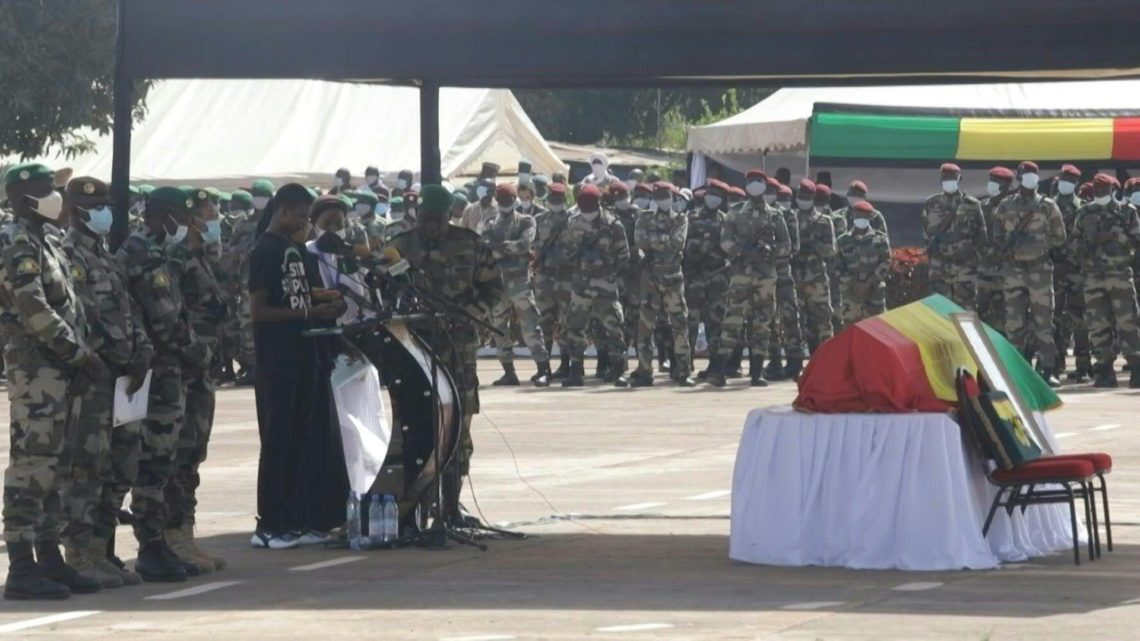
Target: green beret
(173, 196)
(459, 197)
(225, 196)
(146, 189)
(397, 201)
(134, 191)
(262, 187)
(27, 172)
(540, 180)
(346, 200)
(242, 196)
(366, 197)
(200, 196)
(434, 199)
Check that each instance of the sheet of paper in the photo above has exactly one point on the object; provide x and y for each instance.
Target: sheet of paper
(130, 407)
(365, 430)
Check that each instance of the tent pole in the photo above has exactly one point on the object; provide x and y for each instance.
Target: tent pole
(430, 162)
(121, 143)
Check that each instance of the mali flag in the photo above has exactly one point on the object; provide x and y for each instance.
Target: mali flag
(904, 361)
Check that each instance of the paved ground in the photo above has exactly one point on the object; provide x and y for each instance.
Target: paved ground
(656, 464)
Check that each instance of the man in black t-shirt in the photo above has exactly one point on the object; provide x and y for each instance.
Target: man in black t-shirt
(293, 417)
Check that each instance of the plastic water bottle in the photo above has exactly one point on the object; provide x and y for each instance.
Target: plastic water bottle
(352, 515)
(377, 529)
(391, 518)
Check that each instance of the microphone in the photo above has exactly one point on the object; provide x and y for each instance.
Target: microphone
(396, 264)
(390, 263)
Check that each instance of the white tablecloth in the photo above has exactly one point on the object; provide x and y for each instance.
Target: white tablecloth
(874, 491)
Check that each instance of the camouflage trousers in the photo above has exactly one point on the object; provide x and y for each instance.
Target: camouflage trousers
(230, 333)
(1029, 309)
(181, 493)
(836, 295)
(785, 331)
(126, 445)
(631, 298)
(663, 296)
(704, 295)
(596, 303)
(88, 456)
(552, 296)
(991, 297)
(518, 298)
(751, 299)
(40, 411)
(1111, 313)
(857, 306)
(160, 431)
(1069, 315)
(959, 283)
(814, 292)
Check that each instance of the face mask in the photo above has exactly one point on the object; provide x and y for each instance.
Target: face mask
(1066, 188)
(862, 223)
(402, 184)
(993, 188)
(805, 205)
(527, 204)
(1029, 181)
(755, 188)
(787, 204)
(524, 178)
(664, 204)
(50, 206)
(769, 198)
(506, 209)
(372, 180)
(949, 186)
(259, 202)
(361, 210)
(556, 207)
(679, 206)
(713, 202)
(1103, 200)
(381, 209)
(213, 232)
(1135, 198)
(480, 192)
(599, 170)
(100, 220)
(642, 203)
(590, 216)
(178, 236)
(854, 200)
(622, 205)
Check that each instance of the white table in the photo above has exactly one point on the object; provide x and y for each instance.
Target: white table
(874, 491)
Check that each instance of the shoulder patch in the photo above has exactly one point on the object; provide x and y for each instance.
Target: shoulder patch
(78, 273)
(27, 266)
(160, 279)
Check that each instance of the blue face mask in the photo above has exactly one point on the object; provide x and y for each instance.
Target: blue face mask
(213, 232)
(381, 209)
(100, 220)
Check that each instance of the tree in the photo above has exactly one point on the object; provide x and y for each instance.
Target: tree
(57, 61)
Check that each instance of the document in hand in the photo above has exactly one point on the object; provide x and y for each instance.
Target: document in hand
(130, 407)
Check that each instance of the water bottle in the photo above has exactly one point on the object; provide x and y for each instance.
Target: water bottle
(352, 514)
(391, 518)
(376, 526)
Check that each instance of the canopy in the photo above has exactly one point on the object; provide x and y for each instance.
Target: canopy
(905, 360)
(227, 132)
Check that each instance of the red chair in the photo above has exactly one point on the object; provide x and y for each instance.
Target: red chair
(1102, 463)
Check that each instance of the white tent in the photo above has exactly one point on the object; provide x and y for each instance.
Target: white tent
(228, 132)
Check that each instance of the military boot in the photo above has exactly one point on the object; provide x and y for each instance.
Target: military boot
(25, 581)
(641, 378)
(775, 369)
(1106, 376)
(98, 551)
(575, 375)
(509, 378)
(176, 539)
(542, 377)
(563, 368)
(188, 532)
(603, 364)
(704, 373)
(756, 371)
(732, 367)
(793, 368)
(1080, 374)
(615, 371)
(155, 565)
(85, 563)
(53, 568)
(716, 376)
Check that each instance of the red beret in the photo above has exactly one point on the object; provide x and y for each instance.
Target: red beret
(738, 191)
(807, 185)
(773, 183)
(1084, 190)
(1002, 172)
(618, 188)
(860, 185)
(699, 192)
(865, 207)
(590, 192)
(505, 189)
(557, 188)
(662, 185)
(1132, 182)
(719, 185)
(1028, 165)
(755, 174)
(1071, 170)
(822, 190)
(785, 190)
(949, 166)
(1105, 180)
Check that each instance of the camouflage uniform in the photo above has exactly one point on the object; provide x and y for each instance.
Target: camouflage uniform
(990, 296)
(839, 222)
(660, 236)
(862, 261)
(755, 236)
(878, 221)
(461, 269)
(1104, 240)
(954, 228)
(600, 256)
(104, 469)
(510, 238)
(785, 330)
(45, 330)
(244, 236)
(809, 267)
(552, 276)
(706, 276)
(1069, 309)
(1027, 229)
(631, 294)
(154, 284)
(233, 291)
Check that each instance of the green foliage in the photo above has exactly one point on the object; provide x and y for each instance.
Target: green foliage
(56, 69)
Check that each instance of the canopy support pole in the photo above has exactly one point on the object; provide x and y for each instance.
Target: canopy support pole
(121, 143)
(430, 162)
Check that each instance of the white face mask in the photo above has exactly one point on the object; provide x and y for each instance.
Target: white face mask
(526, 203)
(769, 198)
(1103, 200)
(590, 216)
(641, 203)
(50, 206)
(506, 209)
(1135, 198)
(599, 170)
(622, 204)
(993, 188)
(1029, 181)
(805, 205)
(178, 236)
(786, 204)
(755, 188)
(665, 204)
(1066, 188)
(401, 183)
(259, 202)
(862, 223)
(713, 202)
(362, 210)
(949, 186)
(524, 178)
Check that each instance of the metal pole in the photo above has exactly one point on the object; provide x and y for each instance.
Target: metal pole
(121, 145)
(430, 162)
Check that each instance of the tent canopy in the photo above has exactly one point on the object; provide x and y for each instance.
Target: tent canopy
(226, 132)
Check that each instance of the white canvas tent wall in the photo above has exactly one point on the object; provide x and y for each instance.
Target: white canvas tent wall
(228, 132)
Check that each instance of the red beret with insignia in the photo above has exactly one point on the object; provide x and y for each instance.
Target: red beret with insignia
(951, 167)
(1105, 180)
(1027, 166)
(1004, 173)
(865, 207)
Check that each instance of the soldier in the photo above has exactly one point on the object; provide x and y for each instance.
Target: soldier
(552, 274)
(785, 331)
(622, 208)
(955, 229)
(153, 282)
(736, 198)
(510, 235)
(705, 267)
(991, 299)
(660, 238)
(809, 267)
(823, 200)
(343, 182)
(452, 262)
(599, 259)
(1105, 236)
(365, 208)
(48, 365)
(103, 469)
(857, 193)
(372, 180)
(1069, 309)
(482, 209)
(404, 180)
(541, 185)
(459, 203)
(754, 237)
(1029, 225)
(863, 258)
